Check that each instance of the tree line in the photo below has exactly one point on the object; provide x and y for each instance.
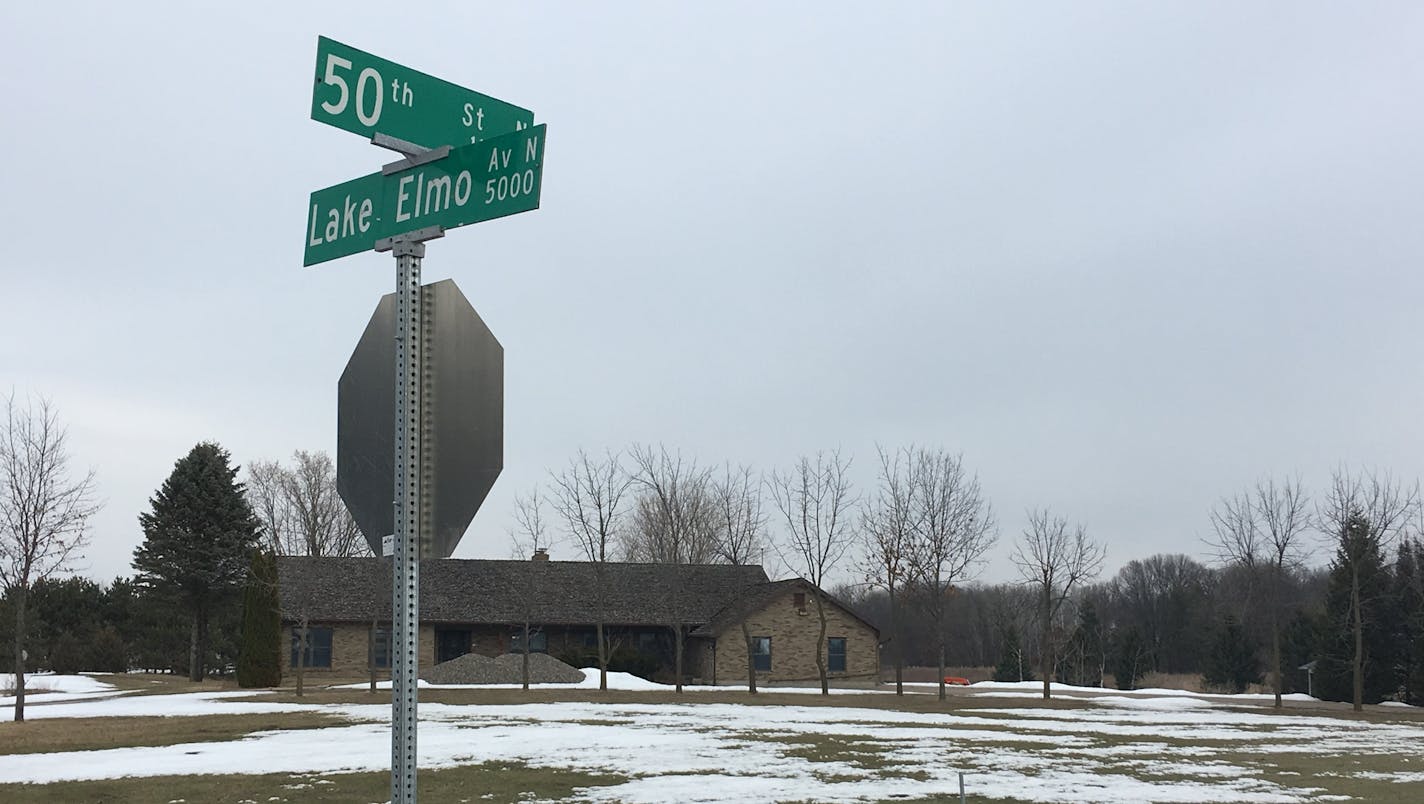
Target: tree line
(914, 544)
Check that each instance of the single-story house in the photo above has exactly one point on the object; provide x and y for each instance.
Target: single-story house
(481, 606)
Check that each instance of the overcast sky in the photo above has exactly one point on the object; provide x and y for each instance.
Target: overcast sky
(1125, 257)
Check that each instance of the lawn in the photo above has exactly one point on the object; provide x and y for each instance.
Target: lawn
(714, 746)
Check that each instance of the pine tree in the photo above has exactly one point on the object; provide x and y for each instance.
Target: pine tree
(1084, 663)
(1301, 645)
(1131, 659)
(1234, 662)
(1356, 598)
(259, 661)
(197, 540)
(1012, 666)
(1408, 621)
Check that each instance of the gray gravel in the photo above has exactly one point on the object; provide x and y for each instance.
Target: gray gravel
(473, 668)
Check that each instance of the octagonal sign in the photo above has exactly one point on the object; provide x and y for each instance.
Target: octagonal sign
(465, 401)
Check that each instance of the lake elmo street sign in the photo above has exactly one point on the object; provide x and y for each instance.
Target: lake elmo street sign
(368, 95)
(477, 182)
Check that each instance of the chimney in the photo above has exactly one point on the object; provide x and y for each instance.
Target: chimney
(540, 554)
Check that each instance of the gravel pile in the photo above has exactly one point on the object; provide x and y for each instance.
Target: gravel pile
(473, 668)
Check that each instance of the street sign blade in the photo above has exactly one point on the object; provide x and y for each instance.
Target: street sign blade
(478, 182)
(344, 219)
(365, 94)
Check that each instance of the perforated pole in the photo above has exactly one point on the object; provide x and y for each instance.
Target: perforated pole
(405, 586)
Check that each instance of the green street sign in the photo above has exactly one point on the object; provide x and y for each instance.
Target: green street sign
(477, 182)
(368, 95)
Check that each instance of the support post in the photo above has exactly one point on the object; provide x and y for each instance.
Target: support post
(405, 586)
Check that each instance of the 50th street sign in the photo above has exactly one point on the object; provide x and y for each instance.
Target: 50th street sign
(368, 95)
(473, 183)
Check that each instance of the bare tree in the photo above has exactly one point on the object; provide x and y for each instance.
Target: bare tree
(671, 523)
(817, 507)
(739, 516)
(672, 515)
(588, 496)
(1053, 558)
(1261, 531)
(322, 522)
(529, 533)
(300, 509)
(266, 493)
(43, 511)
(1364, 512)
(888, 523)
(954, 527)
(740, 521)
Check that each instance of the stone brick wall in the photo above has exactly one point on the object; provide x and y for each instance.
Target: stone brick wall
(793, 635)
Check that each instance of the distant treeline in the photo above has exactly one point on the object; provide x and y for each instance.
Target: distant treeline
(1173, 614)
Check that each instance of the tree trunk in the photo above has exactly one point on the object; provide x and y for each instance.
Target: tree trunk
(939, 642)
(602, 658)
(677, 655)
(524, 664)
(1358, 664)
(821, 646)
(751, 659)
(21, 600)
(1045, 643)
(301, 654)
(1276, 655)
(371, 654)
(895, 646)
(195, 672)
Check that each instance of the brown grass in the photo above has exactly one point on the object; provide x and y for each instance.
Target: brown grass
(87, 734)
(502, 782)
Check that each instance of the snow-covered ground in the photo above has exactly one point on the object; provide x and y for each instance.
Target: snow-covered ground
(1160, 746)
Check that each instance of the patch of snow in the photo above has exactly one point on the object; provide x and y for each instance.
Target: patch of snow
(681, 750)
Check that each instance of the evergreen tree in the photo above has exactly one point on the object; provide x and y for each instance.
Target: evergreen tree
(1012, 666)
(1084, 660)
(1131, 660)
(1300, 645)
(1358, 637)
(1408, 620)
(259, 662)
(197, 540)
(1233, 663)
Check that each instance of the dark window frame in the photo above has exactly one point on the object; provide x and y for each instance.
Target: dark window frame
(538, 641)
(832, 655)
(761, 659)
(318, 652)
(383, 644)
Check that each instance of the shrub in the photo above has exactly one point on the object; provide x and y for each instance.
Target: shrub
(66, 655)
(108, 653)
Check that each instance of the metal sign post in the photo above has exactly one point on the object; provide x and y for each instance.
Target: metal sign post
(410, 517)
(409, 471)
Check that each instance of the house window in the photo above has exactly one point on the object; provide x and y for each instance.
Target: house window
(538, 642)
(761, 653)
(381, 648)
(836, 655)
(318, 653)
(799, 601)
(451, 643)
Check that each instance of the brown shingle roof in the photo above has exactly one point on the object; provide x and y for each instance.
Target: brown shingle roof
(500, 592)
(758, 597)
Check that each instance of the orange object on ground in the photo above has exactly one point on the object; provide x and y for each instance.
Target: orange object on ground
(957, 681)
